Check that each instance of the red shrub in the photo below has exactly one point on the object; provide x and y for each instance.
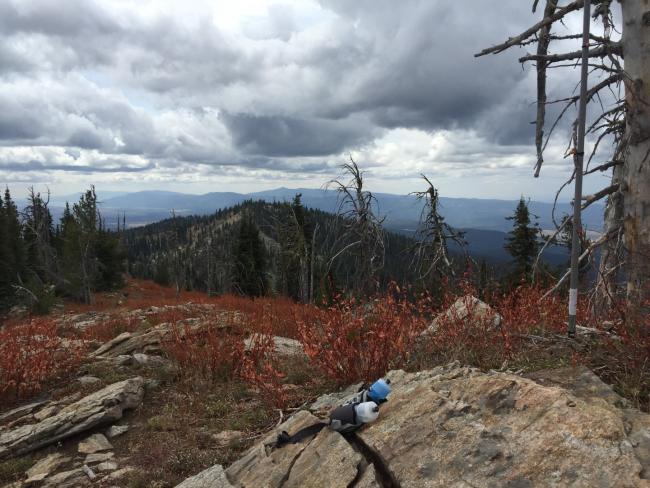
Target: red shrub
(217, 354)
(353, 341)
(32, 355)
(108, 328)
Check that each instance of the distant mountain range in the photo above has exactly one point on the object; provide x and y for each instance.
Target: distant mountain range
(402, 212)
(483, 219)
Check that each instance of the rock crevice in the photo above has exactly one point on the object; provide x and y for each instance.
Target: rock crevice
(383, 475)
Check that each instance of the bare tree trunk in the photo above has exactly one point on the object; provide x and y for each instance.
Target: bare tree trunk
(304, 278)
(607, 287)
(636, 171)
(312, 263)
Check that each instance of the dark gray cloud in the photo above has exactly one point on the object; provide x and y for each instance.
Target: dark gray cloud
(278, 136)
(290, 91)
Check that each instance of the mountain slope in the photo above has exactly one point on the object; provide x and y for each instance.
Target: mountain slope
(198, 251)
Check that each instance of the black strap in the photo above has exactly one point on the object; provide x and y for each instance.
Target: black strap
(304, 433)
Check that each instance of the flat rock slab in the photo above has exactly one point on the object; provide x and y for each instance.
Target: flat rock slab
(116, 430)
(326, 460)
(98, 457)
(94, 443)
(100, 408)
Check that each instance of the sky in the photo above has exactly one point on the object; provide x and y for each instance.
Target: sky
(248, 95)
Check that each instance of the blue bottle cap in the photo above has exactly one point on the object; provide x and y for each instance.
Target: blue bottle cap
(379, 390)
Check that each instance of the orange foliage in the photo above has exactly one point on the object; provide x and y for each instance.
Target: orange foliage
(108, 328)
(352, 341)
(218, 354)
(33, 355)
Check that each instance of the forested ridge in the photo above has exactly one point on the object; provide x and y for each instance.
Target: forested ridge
(291, 250)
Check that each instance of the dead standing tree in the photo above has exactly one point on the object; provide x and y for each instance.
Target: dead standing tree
(625, 123)
(431, 257)
(363, 235)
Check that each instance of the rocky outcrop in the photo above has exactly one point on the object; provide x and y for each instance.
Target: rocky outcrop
(468, 310)
(128, 343)
(283, 346)
(459, 427)
(102, 407)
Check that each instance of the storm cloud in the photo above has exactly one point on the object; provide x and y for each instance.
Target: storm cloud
(172, 90)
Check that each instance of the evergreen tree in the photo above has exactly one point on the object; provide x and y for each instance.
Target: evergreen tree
(91, 257)
(294, 238)
(38, 234)
(250, 260)
(41, 275)
(522, 241)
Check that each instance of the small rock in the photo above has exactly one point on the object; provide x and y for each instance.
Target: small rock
(98, 457)
(283, 346)
(88, 380)
(89, 472)
(123, 360)
(106, 466)
(116, 475)
(140, 358)
(228, 437)
(94, 443)
(151, 384)
(115, 430)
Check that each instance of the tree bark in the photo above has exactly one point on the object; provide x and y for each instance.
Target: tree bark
(636, 170)
(607, 287)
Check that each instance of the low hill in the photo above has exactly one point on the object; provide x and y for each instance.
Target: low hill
(203, 247)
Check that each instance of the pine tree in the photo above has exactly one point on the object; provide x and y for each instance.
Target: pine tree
(250, 260)
(12, 251)
(38, 232)
(91, 257)
(522, 241)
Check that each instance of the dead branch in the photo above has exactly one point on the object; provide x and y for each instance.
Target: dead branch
(514, 41)
(589, 199)
(604, 238)
(604, 167)
(597, 52)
